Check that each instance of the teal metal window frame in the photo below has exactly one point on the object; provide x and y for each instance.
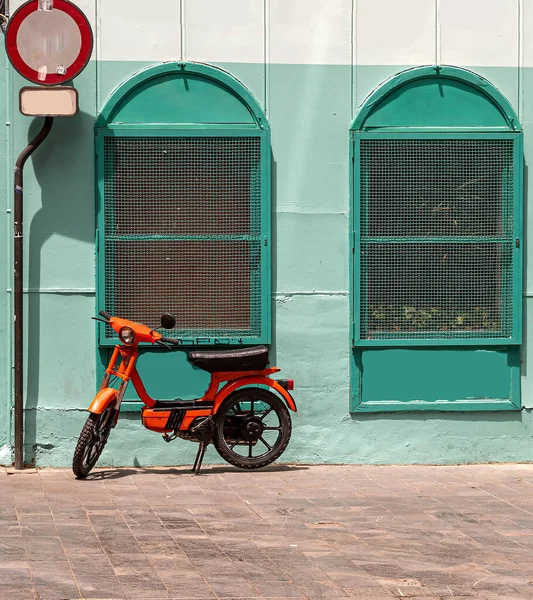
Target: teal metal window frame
(194, 130)
(389, 113)
(355, 190)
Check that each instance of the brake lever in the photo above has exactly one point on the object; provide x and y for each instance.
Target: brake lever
(101, 320)
(163, 344)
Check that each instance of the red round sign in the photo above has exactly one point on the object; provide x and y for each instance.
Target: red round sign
(49, 47)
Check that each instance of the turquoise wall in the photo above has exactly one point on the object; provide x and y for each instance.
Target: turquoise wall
(310, 109)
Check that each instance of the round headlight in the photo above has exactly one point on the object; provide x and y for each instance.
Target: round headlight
(127, 336)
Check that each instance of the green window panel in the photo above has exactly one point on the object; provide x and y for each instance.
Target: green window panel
(184, 219)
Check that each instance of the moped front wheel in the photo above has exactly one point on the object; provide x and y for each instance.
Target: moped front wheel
(252, 428)
(93, 438)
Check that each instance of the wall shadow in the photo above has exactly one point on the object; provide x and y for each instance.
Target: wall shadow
(274, 254)
(64, 175)
(525, 244)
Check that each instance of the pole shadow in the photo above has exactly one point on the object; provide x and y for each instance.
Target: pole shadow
(64, 180)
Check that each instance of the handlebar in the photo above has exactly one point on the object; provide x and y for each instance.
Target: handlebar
(143, 333)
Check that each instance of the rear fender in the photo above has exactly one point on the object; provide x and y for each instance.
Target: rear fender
(102, 400)
(232, 386)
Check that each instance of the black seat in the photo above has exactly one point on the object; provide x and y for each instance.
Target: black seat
(248, 359)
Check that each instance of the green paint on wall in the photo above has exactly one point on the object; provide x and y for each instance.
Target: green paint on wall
(320, 262)
(310, 109)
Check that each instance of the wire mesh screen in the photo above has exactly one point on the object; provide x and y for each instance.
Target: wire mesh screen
(437, 290)
(437, 187)
(182, 233)
(436, 238)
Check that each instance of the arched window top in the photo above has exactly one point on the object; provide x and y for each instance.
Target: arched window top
(436, 98)
(182, 93)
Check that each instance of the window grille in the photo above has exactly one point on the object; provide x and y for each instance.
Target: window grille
(183, 232)
(436, 238)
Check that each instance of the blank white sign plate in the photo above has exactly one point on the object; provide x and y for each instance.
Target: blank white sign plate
(60, 101)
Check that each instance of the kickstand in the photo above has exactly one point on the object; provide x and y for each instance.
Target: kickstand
(199, 457)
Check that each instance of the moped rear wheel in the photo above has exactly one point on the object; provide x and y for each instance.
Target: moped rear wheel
(93, 438)
(252, 428)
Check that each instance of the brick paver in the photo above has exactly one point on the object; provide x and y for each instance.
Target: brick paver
(285, 532)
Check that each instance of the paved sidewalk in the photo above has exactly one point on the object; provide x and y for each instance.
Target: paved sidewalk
(286, 532)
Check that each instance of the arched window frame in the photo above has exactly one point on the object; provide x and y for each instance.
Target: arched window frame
(367, 126)
(252, 125)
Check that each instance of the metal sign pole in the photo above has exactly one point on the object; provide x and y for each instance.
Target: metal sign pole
(17, 297)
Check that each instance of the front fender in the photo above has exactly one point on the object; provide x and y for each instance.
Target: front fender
(230, 387)
(102, 400)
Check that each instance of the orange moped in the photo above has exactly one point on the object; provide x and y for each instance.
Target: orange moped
(243, 411)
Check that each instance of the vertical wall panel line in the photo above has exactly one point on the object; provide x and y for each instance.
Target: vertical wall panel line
(266, 56)
(96, 34)
(437, 34)
(98, 52)
(520, 107)
(182, 30)
(354, 58)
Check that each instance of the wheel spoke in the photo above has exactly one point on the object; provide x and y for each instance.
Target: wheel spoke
(250, 446)
(91, 452)
(267, 412)
(252, 407)
(266, 443)
(86, 453)
(235, 443)
(271, 428)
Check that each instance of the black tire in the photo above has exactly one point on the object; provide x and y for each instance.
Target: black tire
(93, 438)
(230, 421)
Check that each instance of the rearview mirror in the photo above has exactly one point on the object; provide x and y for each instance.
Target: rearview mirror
(168, 321)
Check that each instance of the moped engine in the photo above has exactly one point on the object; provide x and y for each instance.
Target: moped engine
(202, 429)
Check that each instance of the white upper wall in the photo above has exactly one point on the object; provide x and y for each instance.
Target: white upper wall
(393, 32)
(224, 31)
(470, 33)
(312, 32)
(128, 30)
(527, 34)
(479, 33)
